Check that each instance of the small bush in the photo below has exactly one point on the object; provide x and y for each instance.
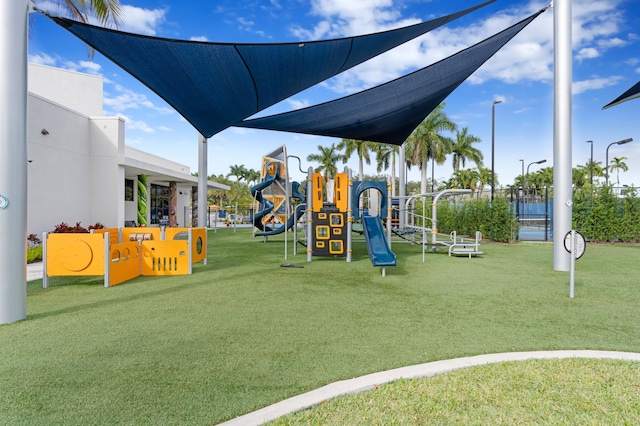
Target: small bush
(33, 240)
(63, 228)
(34, 254)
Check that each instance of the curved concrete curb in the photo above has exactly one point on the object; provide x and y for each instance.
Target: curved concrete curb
(360, 384)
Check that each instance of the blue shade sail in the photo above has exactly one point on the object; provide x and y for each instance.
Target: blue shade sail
(214, 85)
(630, 94)
(390, 112)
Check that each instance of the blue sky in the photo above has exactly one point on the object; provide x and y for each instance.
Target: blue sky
(606, 62)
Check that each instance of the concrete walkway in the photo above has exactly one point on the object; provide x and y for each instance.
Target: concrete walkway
(34, 271)
(360, 384)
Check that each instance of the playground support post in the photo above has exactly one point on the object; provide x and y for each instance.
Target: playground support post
(309, 213)
(202, 181)
(349, 213)
(402, 190)
(389, 208)
(13, 160)
(562, 200)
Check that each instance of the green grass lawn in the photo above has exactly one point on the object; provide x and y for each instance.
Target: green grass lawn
(243, 332)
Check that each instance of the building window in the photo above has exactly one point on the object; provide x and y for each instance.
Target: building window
(128, 190)
(159, 203)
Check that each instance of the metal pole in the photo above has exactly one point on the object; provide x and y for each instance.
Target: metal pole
(622, 142)
(591, 165)
(433, 167)
(202, 181)
(563, 198)
(349, 214)
(493, 142)
(527, 182)
(13, 160)
(310, 214)
(572, 271)
(402, 191)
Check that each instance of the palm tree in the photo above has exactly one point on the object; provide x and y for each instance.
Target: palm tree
(618, 164)
(466, 179)
(327, 157)
(427, 142)
(239, 172)
(362, 148)
(385, 154)
(221, 195)
(484, 177)
(106, 11)
(463, 150)
(252, 176)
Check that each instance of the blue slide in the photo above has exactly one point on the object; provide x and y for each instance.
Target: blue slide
(291, 220)
(256, 191)
(379, 251)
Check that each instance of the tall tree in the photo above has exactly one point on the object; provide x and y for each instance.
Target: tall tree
(362, 148)
(238, 171)
(252, 176)
(484, 177)
(427, 141)
(386, 155)
(327, 157)
(463, 149)
(108, 12)
(466, 179)
(618, 164)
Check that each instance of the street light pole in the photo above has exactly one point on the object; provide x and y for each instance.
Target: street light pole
(622, 142)
(534, 162)
(591, 164)
(493, 141)
(522, 161)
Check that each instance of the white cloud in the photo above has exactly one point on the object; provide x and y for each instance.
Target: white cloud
(135, 124)
(612, 42)
(527, 57)
(128, 99)
(141, 21)
(199, 38)
(587, 53)
(43, 59)
(298, 104)
(593, 84)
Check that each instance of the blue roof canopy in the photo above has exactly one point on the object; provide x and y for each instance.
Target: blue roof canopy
(632, 93)
(390, 112)
(214, 85)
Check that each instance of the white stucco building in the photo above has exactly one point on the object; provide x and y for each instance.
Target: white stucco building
(80, 169)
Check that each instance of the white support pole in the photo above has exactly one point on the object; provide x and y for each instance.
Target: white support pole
(389, 208)
(45, 277)
(190, 250)
(402, 191)
(572, 262)
(349, 214)
(562, 199)
(107, 259)
(310, 214)
(13, 160)
(202, 181)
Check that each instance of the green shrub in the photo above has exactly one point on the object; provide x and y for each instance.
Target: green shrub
(34, 254)
(496, 220)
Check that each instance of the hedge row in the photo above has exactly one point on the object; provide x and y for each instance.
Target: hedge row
(602, 216)
(496, 220)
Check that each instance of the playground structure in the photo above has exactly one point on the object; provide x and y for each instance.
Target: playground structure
(272, 196)
(121, 254)
(415, 222)
(330, 224)
(332, 206)
(328, 209)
